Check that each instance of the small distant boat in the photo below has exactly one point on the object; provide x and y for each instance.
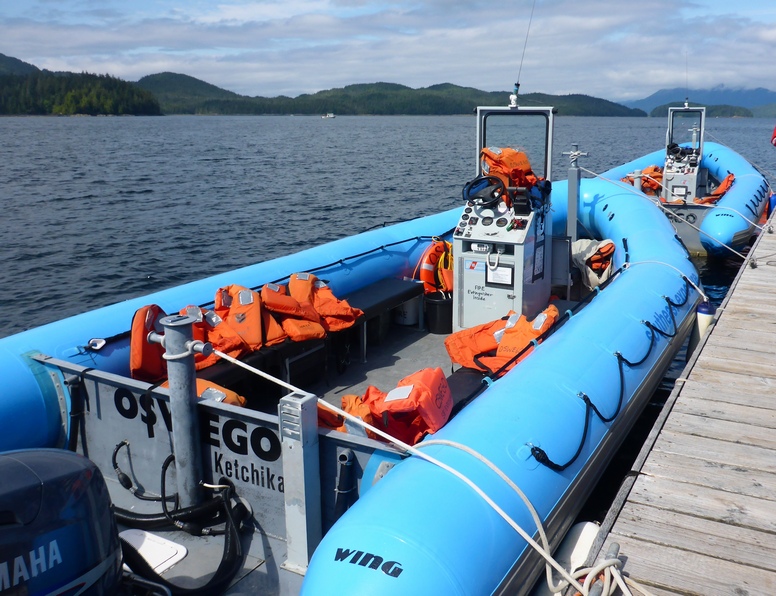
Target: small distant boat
(713, 196)
(328, 115)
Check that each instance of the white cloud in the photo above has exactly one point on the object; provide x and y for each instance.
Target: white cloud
(604, 48)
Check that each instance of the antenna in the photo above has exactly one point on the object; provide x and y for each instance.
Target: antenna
(513, 97)
(686, 82)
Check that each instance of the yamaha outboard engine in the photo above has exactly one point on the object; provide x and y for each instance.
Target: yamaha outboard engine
(57, 530)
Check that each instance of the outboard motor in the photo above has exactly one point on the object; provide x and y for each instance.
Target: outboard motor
(57, 530)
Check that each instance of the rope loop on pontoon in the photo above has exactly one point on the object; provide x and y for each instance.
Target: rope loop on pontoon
(541, 455)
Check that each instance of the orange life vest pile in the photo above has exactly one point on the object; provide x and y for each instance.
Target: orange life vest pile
(510, 165)
(651, 180)
(491, 346)
(244, 320)
(718, 192)
(420, 404)
(601, 259)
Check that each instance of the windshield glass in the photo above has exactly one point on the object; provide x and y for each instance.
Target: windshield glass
(524, 131)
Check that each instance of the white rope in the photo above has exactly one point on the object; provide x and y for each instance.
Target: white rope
(493, 505)
(543, 549)
(261, 373)
(679, 271)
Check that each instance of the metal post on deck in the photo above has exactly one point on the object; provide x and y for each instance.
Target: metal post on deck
(298, 414)
(574, 180)
(179, 354)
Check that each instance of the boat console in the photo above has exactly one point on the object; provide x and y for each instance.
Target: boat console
(502, 242)
(683, 177)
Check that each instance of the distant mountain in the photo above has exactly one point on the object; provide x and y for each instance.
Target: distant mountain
(721, 95)
(711, 111)
(766, 111)
(581, 105)
(183, 94)
(14, 66)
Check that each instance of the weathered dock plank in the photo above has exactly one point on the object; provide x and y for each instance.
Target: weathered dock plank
(732, 454)
(717, 408)
(660, 568)
(745, 478)
(690, 533)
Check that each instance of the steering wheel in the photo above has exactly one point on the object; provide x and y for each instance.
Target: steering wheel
(675, 150)
(484, 191)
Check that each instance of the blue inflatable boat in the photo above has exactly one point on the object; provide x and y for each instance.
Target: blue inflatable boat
(336, 509)
(714, 197)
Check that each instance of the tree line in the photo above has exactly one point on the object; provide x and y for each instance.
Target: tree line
(47, 93)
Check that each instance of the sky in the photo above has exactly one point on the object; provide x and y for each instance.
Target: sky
(612, 49)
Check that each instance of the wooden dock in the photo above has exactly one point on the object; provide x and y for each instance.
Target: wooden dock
(697, 515)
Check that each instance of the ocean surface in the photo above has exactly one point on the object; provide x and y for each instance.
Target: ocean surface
(98, 210)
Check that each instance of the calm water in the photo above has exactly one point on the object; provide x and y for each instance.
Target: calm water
(97, 210)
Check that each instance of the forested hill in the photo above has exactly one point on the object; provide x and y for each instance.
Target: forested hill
(183, 94)
(43, 93)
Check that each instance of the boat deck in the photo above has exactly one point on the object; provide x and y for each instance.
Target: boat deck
(405, 350)
(697, 514)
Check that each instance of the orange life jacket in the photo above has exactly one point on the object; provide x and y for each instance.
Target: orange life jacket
(651, 180)
(241, 309)
(490, 346)
(301, 287)
(462, 346)
(421, 403)
(352, 404)
(210, 390)
(516, 338)
(602, 258)
(145, 358)
(298, 319)
(510, 165)
(210, 327)
(336, 314)
(302, 330)
(436, 267)
(276, 298)
(272, 330)
(718, 192)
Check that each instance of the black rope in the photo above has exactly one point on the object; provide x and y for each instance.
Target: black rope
(125, 334)
(687, 284)
(497, 374)
(365, 253)
(541, 456)
(684, 246)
